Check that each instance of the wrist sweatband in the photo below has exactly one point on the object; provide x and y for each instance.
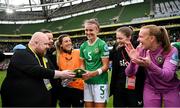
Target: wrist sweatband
(99, 71)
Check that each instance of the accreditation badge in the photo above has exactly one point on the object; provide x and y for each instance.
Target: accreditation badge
(130, 82)
(47, 84)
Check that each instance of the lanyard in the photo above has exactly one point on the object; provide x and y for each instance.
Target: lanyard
(123, 56)
(43, 58)
(46, 81)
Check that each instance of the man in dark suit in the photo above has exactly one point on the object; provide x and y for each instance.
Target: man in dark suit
(51, 54)
(27, 81)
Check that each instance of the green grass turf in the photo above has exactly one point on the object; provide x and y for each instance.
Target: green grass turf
(178, 74)
(3, 74)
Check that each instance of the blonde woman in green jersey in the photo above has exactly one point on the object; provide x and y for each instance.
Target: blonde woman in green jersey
(94, 54)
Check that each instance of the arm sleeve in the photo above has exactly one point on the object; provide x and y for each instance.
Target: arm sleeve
(81, 51)
(28, 64)
(104, 50)
(131, 69)
(169, 67)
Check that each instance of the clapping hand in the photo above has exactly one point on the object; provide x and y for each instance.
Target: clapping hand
(144, 61)
(134, 55)
(131, 51)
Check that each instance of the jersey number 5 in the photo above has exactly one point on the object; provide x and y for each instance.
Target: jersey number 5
(89, 55)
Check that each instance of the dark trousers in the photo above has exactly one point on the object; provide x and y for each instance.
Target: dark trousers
(126, 98)
(55, 96)
(71, 97)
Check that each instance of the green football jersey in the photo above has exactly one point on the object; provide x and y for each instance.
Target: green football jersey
(92, 55)
(176, 44)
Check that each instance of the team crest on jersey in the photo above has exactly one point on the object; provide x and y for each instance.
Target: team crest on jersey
(159, 59)
(96, 50)
(174, 59)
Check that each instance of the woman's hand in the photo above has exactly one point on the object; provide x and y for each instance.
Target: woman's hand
(131, 51)
(134, 55)
(143, 61)
(89, 75)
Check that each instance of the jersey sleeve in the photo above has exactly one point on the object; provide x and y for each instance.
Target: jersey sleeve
(167, 71)
(104, 50)
(81, 51)
(176, 44)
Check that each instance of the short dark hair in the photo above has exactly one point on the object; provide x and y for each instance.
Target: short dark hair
(127, 31)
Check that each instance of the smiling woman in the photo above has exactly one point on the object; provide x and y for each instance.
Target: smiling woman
(160, 60)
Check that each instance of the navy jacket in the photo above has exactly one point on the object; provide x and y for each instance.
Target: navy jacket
(118, 78)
